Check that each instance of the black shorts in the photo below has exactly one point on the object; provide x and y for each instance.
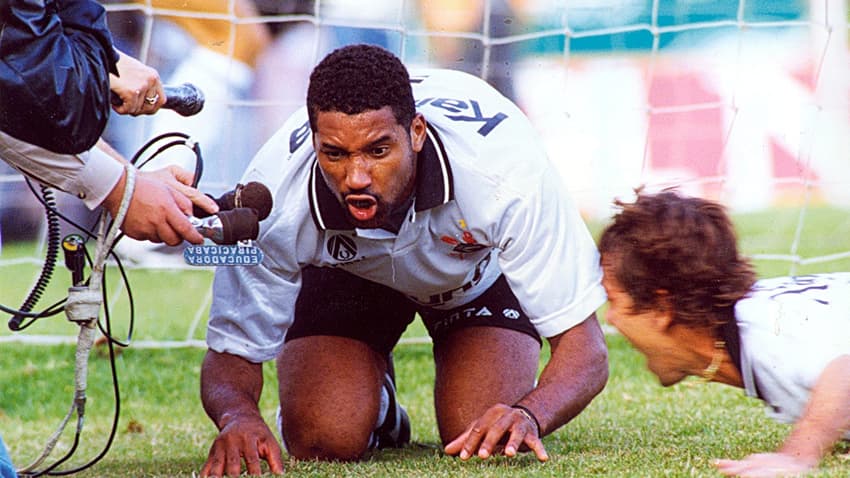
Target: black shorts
(335, 302)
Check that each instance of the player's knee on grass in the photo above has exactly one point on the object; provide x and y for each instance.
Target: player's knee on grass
(308, 443)
(331, 430)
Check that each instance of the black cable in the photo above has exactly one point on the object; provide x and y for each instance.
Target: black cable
(117, 412)
(58, 213)
(53, 226)
(114, 429)
(51, 211)
(187, 141)
(58, 307)
(53, 233)
(108, 332)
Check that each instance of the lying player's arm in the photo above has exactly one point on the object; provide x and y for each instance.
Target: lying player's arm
(576, 372)
(825, 420)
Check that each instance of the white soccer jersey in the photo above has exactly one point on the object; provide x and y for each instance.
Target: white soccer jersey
(790, 329)
(487, 202)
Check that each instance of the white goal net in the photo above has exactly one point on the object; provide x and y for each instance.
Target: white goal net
(743, 101)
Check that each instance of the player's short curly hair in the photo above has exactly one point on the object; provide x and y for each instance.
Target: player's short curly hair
(683, 245)
(358, 78)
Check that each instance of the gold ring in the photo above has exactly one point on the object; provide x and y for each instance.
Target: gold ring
(151, 99)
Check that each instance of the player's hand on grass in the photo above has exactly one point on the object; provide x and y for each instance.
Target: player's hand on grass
(502, 429)
(245, 438)
(764, 465)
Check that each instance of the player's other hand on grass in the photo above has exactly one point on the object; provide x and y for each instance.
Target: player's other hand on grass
(501, 430)
(243, 437)
(765, 465)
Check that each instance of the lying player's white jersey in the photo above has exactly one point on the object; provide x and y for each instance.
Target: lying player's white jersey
(487, 202)
(790, 329)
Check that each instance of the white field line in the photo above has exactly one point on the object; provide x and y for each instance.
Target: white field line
(173, 344)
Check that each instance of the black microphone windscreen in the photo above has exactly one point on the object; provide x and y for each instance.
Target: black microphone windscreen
(239, 224)
(257, 195)
(185, 99)
(254, 195)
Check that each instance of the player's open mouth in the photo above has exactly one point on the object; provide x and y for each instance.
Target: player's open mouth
(361, 206)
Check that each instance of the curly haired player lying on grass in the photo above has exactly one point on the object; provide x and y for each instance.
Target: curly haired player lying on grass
(681, 293)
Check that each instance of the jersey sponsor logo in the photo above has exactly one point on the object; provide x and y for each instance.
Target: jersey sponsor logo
(453, 106)
(342, 247)
(298, 136)
(813, 286)
(468, 245)
(484, 312)
(512, 314)
(460, 314)
(223, 255)
(467, 248)
(443, 297)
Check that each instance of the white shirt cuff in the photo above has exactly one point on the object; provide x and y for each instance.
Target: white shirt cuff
(97, 178)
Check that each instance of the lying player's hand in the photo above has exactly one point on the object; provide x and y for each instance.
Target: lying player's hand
(764, 465)
(484, 437)
(248, 438)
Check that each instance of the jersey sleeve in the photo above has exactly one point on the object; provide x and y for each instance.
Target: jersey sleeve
(253, 306)
(251, 309)
(550, 259)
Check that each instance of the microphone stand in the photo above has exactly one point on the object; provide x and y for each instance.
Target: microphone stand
(83, 308)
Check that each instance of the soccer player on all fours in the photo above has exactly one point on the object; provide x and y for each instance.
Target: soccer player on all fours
(396, 195)
(682, 294)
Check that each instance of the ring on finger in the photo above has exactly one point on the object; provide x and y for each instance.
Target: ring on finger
(151, 100)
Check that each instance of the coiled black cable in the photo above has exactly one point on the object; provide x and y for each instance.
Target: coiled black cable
(53, 240)
(53, 246)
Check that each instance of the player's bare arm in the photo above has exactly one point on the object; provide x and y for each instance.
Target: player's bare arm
(826, 418)
(230, 392)
(576, 372)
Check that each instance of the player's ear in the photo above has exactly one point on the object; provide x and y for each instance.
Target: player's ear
(664, 312)
(418, 130)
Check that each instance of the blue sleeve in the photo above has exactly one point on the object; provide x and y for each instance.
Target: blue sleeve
(55, 60)
(7, 470)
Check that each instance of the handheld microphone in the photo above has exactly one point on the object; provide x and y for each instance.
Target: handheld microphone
(229, 227)
(252, 195)
(238, 219)
(185, 99)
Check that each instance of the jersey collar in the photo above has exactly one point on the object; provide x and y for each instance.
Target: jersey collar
(731, 335)
(434, 186)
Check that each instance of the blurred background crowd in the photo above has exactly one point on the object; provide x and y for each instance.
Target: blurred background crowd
(611, 109)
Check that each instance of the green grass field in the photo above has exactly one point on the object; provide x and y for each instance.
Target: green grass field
(633, 428)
